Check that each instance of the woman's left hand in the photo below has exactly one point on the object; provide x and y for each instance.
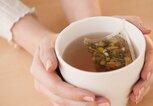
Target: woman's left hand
(142, 87)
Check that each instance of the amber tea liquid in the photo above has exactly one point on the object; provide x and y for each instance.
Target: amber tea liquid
(77, 55)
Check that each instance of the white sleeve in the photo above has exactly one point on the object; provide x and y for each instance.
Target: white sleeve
(11, 11)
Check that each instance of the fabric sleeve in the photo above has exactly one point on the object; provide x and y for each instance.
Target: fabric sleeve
(11, 11)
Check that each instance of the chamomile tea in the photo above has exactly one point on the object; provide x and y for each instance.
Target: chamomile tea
(98, 55)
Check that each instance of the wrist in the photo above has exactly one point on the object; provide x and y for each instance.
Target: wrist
(29, 32)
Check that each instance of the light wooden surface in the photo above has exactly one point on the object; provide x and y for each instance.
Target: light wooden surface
(16, 83)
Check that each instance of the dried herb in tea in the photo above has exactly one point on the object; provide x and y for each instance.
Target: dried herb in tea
(109, 54)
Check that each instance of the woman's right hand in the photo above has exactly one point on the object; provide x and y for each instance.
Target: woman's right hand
(50, 84)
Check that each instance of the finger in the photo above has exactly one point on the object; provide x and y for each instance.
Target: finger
(61, 101)
(139, 87)
(53, 82)
(54, 104)
(137, 22)
(47, 55)
(148, 68)
(38, 70)
(146, 91)
(139, 98)
(139, 91)
(132, 100)
(43, 90)
(143, 84)
(102, 101)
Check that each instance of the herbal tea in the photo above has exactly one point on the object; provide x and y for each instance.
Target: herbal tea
(77, 55)
(104, 55)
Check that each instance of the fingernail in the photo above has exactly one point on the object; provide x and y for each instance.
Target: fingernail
(140, 92)
(88, 99)
(139, 97)
(104, 104)
(149, 75)
(48, 65)
(145, 27)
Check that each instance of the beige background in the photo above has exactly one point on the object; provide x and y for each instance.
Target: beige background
(16, 83)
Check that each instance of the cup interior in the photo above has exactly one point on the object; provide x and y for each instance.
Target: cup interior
(98, 25)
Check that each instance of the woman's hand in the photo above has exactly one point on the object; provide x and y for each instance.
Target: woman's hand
(142, 87)
(61, 93)
(50, 84)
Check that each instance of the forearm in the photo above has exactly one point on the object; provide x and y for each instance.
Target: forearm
(79, 9)
(28, 32)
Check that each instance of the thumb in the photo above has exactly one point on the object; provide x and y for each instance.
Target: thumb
(47, 55)
(135, 20)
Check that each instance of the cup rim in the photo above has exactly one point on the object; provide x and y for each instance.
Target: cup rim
(99, 73)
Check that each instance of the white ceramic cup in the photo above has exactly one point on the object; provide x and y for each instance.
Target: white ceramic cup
(114, 85)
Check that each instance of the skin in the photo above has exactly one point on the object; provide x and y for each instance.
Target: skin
(39, 42)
